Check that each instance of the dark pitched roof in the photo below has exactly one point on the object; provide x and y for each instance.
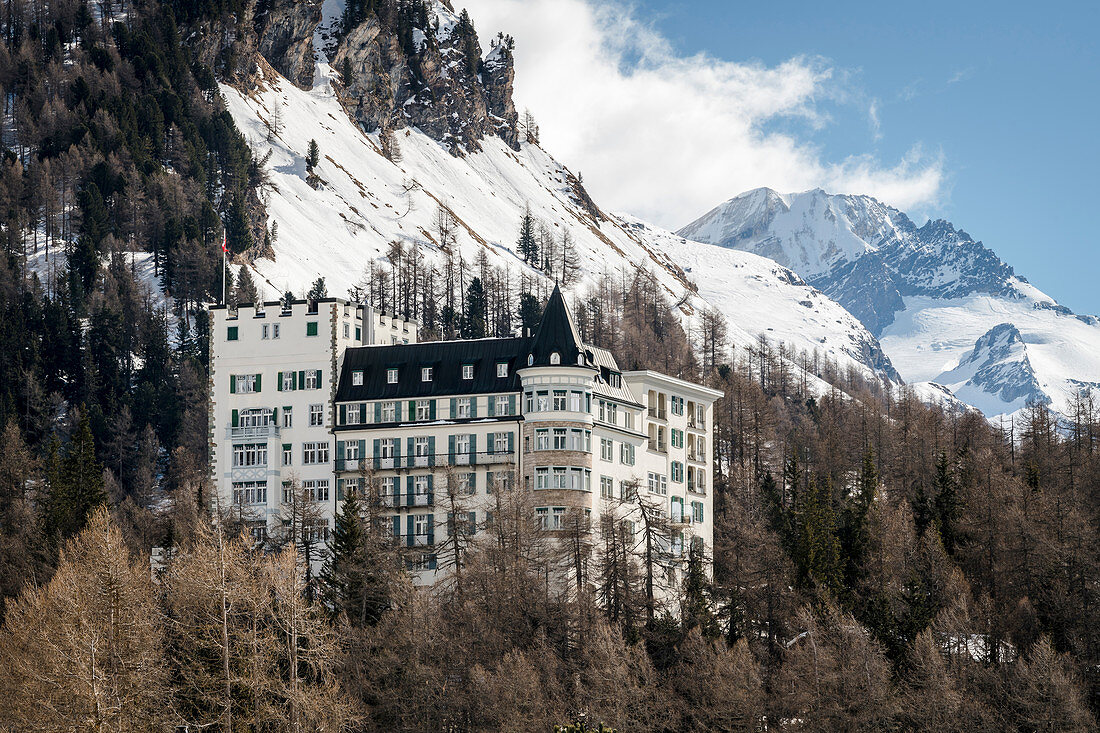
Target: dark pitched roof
(556, 332)
(446, 359)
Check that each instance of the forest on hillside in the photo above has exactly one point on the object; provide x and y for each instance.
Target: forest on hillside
(878, 563)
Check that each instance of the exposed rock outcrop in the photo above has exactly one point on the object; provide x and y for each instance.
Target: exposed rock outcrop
(284, 31)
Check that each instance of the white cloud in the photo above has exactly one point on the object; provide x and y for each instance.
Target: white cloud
(666, 136)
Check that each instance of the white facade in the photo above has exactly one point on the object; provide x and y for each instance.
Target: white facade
(333, 404)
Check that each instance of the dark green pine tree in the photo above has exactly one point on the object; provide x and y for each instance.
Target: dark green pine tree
(530, 312)
(818, 554)
(527, 244)
(474, 315)
(945, 505)
(317, 291)
(76, 484)
(854, 537)
(697, 608)
(342, 574)
(313, 155)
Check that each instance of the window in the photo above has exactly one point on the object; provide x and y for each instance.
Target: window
(288, 454)
(288, 417)
(426, 374)
(249, 454)
(559, 399)
(249, 492)
(608, 412)
(314, 530)
(231, 333)
(504, 406)
(462, 407)
(421, 448)
(391, 376)
(357, 378)
(423, 409)
(563, 477)
(678, 472)
(275, 331)
(677, 438)
(420, 525)
(351, 450)
(255, 418)
(347, 331)
(615, 380)
(312, 379)
(657, 483)
(677, 405)
(542, 517)
(500, 442)
(607, 449)
(315, 490)
(462, 444)
(555, 358)
(246, 383)
(697, 512)
(502, 369)
(389, 411)
(316, 416)
(467, 482)
(576, 401)
(626, 454)
(288, 384)
(607, 487)
(258, 531)
(387, 447)
(550, 518)
(421, 490)
(311, 328)
(352, 414)
(542, 439)
(467, 371)
(388, 490)
(265, 331)
(314, 453)
(542, 401)
(559, 439)
(580, 440)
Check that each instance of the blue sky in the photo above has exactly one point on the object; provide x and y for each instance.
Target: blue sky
(1007, 93)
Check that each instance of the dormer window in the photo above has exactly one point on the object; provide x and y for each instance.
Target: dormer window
(426, 374)
(467, 371)
(555, 358)
(357, 378)
(530, 359)
(580, 359)
(502, 369)
(391, 376)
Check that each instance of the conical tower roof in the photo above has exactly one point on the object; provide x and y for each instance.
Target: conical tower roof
(556, 333)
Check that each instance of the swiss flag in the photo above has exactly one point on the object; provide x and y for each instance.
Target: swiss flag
(224, 247)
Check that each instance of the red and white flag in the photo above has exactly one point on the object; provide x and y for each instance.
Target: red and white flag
(224, 247)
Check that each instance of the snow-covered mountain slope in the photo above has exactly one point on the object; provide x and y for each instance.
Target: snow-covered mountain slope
(365, 201)
(941, 303)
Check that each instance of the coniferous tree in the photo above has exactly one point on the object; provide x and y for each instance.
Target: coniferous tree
(76, 488)
(342, 574)
(317, 291)
(527, 244)
(474, 315)
(313, 155)
(530, 312)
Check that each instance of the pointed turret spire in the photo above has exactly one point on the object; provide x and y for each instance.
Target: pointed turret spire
(556, 333)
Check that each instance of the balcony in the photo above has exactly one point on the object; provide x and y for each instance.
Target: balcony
(695, 487)
(421, 461)
(419, 540)
(413, 500)
(658, 413)
(253, 432)
(697, 455)
(659, 448)
(697, 423)
(348, 464)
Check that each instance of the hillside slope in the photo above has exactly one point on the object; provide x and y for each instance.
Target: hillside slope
(364, 201)
(938, 300)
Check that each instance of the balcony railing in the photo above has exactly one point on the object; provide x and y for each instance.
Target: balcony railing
(699, 423)
(659, 413)
(420, 499)
(697, 455)
(419, 540)
(253, 431)
(429, 460)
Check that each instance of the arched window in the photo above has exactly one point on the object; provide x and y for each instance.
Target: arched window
(555, 358)
(530, 359)
(580, 359)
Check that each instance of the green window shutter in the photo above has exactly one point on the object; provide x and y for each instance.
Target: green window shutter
(320, 376)
(343, 414)
(431, 450)
(472, 522)
(409, 454)
(451, 450)
(450, 523)
(236, 418)
(279, 383)
(397, 452)
(412, 410)
(488, 482)
(362, 451)
(275, 416)
(377, 455)
(232, 384)
(431, 489)
(311, 328)
(397, 526)
(471, 484)
(492, 406)
(410, 530)
(473, 449)
(340, 451)
(397, 411)
(358, 334)
(257, 382)
(362, 413)
(410, 495)
(511, 404)
(454, 408)
(490, 442)
(231, 333)
(431, 562)
(511, 442)
(431, 409)
(473, 407)
(431, 529)
(378, 412)
(301, 383)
